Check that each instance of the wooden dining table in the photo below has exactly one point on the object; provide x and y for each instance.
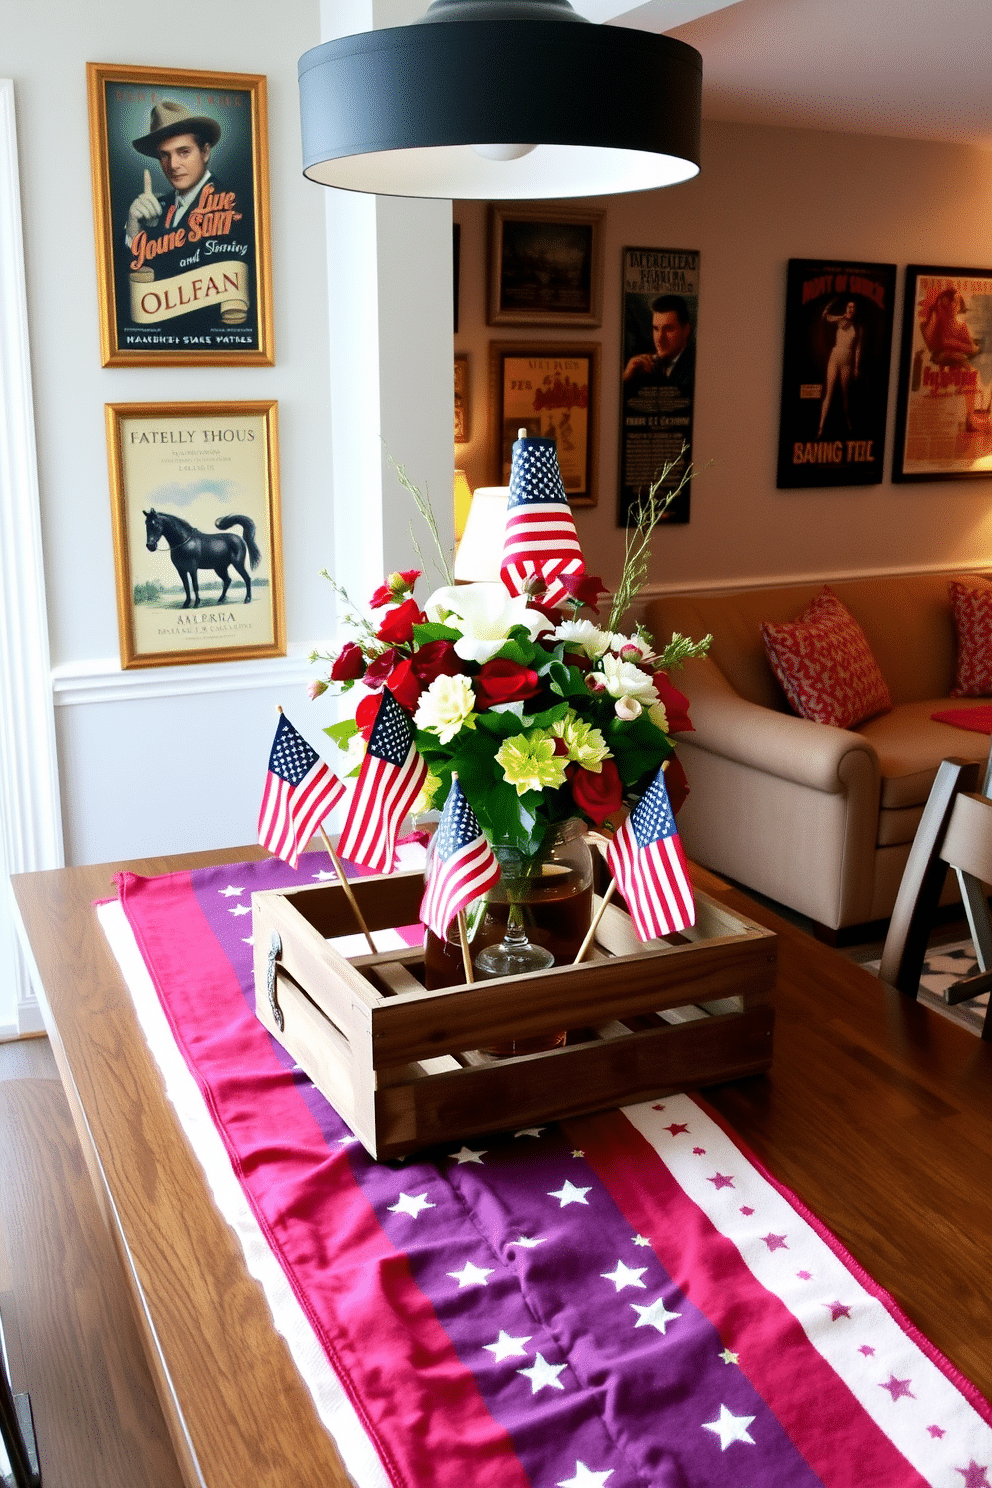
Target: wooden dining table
(877, 1113)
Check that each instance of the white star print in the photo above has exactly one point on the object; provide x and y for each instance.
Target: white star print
(578, 1152)
(586, 1478)
(656, 1315)
(467, 1155)
(411, 1204)
(641, 1240)
(529, 1131)
(240, 909)
(323, 874)
(472, 1275)
(729, 1357)
(542, 1374)
(569, 1194)
(625, 1276)
(527, 1243)
(347, 1141)
(506, 1347)
(229, 891)
(248, 939)
(730, 1428)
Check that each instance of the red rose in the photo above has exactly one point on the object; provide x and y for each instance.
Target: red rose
(365, 715)
(586, 588)
(405, 685)
(398, 623)
(676, 704)
(675, 783)
(436, 659)
(349, 663)
(598, 795)
(379, 669)
(501, 681)
(396, 585)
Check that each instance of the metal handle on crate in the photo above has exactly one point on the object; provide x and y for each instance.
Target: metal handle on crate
(275, 951)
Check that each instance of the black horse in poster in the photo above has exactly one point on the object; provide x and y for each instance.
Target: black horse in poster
(191, 550)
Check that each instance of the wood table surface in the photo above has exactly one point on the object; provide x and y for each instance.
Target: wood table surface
(876, 1112)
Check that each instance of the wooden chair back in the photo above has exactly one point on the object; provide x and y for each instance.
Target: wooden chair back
(955, 831)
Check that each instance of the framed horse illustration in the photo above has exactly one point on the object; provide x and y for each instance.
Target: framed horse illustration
(197, 553)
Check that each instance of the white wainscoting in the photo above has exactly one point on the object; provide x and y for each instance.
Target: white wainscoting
(173, 759)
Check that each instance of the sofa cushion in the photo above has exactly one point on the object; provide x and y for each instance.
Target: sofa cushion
(825, 664)
(972, 606)
(910, 745)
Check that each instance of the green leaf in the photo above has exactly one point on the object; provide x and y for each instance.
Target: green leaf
(342, 732)
(551, 715)
(501, 725)
(520, 651)
(432, 630)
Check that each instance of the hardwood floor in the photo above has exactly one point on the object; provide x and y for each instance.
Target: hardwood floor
(71, 1341)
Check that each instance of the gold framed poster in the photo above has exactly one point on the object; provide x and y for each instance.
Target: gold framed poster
(545, 266)
(550, 391)
(197, 545)
(181, 207)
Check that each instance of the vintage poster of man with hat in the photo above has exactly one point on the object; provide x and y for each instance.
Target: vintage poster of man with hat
(181, 207)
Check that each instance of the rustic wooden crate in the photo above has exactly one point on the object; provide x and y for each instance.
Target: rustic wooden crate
(401, 1064)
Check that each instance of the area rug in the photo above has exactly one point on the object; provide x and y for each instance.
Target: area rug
(944, 965)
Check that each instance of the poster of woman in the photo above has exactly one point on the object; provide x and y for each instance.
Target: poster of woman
(835, 373)
(181, 210)
(944, 407)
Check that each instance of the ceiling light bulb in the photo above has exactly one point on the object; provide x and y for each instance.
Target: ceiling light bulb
(503, 152)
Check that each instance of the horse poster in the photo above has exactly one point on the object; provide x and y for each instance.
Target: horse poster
(180, 192)
(194, 490)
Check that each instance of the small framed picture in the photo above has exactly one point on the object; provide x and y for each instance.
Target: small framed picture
(944, 395)
(546, 268)
(551, 392)
(462, 414)
(181, 206)
(197, 551)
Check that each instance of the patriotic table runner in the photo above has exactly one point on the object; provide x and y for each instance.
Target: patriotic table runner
(622, 1300)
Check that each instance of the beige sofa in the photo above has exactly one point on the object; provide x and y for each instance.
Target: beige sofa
(817, 818)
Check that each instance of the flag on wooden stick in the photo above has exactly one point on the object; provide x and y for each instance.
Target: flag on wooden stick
(463, 864)
(649, 865)
(388, 784)
(300, 791)
(539, 541)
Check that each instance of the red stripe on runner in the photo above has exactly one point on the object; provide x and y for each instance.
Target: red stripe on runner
(779, 1361)
(419, 1405)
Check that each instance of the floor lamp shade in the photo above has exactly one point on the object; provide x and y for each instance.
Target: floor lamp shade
(422, 110)
(480, 552)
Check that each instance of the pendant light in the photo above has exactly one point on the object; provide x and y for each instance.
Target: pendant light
(501, 100)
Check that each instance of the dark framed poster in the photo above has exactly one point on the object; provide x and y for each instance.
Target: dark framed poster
(181, 206)
(550, 391)
(835, 373)
(658, 378)
(944, 395)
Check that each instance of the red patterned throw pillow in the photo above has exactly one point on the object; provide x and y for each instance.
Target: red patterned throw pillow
(825, 665)
(972, 608)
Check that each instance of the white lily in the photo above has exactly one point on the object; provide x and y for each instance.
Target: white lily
(623, 679)
(485, 614)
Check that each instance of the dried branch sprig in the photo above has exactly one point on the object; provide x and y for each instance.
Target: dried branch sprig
(354, 617)
(679, 650)
(647, 514)
(422, 502)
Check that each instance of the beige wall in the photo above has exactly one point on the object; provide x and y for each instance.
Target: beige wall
(763, 196)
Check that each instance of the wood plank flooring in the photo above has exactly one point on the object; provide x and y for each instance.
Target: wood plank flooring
(71, 1339)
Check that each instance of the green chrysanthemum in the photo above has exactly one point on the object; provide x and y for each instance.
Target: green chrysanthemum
(584, 742)
(530, 762)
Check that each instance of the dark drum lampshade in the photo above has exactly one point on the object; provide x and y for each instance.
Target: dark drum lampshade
(501, 100)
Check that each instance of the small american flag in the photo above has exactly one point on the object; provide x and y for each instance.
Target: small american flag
(299, 792)
(539, 540)
(463, 865)
(388, 784)
(649, 866)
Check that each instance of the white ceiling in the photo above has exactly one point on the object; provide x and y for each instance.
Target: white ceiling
(917, 69)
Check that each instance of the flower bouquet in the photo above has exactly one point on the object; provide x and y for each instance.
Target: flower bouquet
(542, 713)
